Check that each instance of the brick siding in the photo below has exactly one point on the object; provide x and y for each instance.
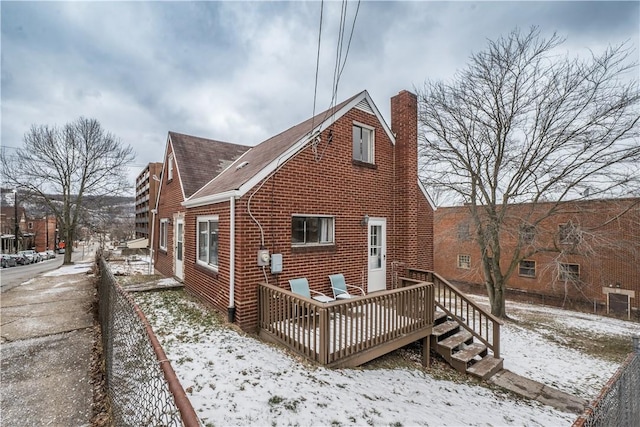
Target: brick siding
(612, 257)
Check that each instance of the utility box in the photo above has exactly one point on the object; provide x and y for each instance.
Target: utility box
(276, 263)
(263, 257)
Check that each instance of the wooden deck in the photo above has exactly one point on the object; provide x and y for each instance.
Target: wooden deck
(350, 332)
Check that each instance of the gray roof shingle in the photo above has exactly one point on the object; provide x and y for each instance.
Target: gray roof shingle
(199, 160)
(262, 155)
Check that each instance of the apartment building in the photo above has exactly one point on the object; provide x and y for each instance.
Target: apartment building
(146, 192)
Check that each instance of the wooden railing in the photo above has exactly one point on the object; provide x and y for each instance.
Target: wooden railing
(483, 325)
(346, 332)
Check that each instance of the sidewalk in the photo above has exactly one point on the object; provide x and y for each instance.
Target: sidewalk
(46, 343)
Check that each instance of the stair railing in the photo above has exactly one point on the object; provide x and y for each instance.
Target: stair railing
(481, 324)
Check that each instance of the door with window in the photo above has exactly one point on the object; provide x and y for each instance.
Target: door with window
(377, 278)
(179, 252)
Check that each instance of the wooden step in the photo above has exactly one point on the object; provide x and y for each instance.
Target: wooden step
(444, 330)
(461, 358)
(486, 367)
(451, 343)
(439, 317)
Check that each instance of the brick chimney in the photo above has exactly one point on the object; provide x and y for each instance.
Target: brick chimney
(404, 124)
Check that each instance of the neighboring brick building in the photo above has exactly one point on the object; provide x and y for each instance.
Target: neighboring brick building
(146, 195)
(338, 193)
(44, 233)
(589, 252)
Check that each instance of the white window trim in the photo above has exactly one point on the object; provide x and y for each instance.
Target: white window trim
(170, 168)
(460, 264)
(200, 219)
(535, 265)
(164, 221)
(373, 141)
(333, 230)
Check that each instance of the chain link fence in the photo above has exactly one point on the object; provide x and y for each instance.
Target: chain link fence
(142, 387)
(618, 404)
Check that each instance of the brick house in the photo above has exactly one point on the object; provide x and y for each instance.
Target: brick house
(189, 163)
(590, 252)
(337, 193)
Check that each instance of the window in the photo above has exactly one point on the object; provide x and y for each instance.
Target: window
(208, 241)
(463, 231)
(464, 261)
(527, 233)
(170, 168)
(363, 144)
(569, 233)
(527, 268)
(312, 230)
(30, 225)
(164, 224)
(569, 272)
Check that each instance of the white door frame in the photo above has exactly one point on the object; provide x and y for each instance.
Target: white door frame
(377, 254)
(178, 253)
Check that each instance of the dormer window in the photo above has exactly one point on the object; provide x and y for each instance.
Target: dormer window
(363, 146)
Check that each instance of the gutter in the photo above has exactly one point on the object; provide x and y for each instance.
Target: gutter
(231, 310)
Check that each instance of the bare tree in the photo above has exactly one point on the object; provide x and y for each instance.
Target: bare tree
(68, 163)
(522, 123)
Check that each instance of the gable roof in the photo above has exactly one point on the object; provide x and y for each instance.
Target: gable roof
(197, 160)
(265, 158)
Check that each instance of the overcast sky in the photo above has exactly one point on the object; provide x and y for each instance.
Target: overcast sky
(244, 71)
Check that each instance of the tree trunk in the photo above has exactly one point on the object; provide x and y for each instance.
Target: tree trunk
(497, 299)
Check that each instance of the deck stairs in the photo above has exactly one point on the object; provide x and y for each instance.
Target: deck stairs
(458, 347)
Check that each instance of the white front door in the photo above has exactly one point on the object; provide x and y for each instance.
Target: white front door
(377, 280)
(179, 252)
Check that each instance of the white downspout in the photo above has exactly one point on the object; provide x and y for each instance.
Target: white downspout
(232, 258)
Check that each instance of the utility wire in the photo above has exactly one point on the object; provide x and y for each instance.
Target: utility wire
(315, 89)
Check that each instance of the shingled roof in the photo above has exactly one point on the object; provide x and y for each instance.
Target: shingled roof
(261, 159)
(198, 160)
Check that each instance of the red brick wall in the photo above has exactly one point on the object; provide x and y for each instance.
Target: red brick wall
(610, 253)
(321, 182)
(404, 123)
(41, 228)
(168, 207)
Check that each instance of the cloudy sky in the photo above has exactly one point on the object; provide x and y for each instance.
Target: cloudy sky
(244, 71)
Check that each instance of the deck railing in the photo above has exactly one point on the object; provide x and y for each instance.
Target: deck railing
(480, 323)
(347, 332)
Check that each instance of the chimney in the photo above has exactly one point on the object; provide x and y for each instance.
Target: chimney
(404, 124)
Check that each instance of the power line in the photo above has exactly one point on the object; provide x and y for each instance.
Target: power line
(315, 89)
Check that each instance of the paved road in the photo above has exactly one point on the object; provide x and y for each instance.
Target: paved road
(14, 276)
(46, 339)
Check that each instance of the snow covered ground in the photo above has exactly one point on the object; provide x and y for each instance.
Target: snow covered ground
(234, 379)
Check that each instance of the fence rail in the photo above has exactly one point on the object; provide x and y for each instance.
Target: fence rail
(347, 332)
(142, 387)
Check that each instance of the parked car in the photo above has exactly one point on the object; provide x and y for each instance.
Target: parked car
(31, 255)
(50, 254)
(20, 259)
(8, 261)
